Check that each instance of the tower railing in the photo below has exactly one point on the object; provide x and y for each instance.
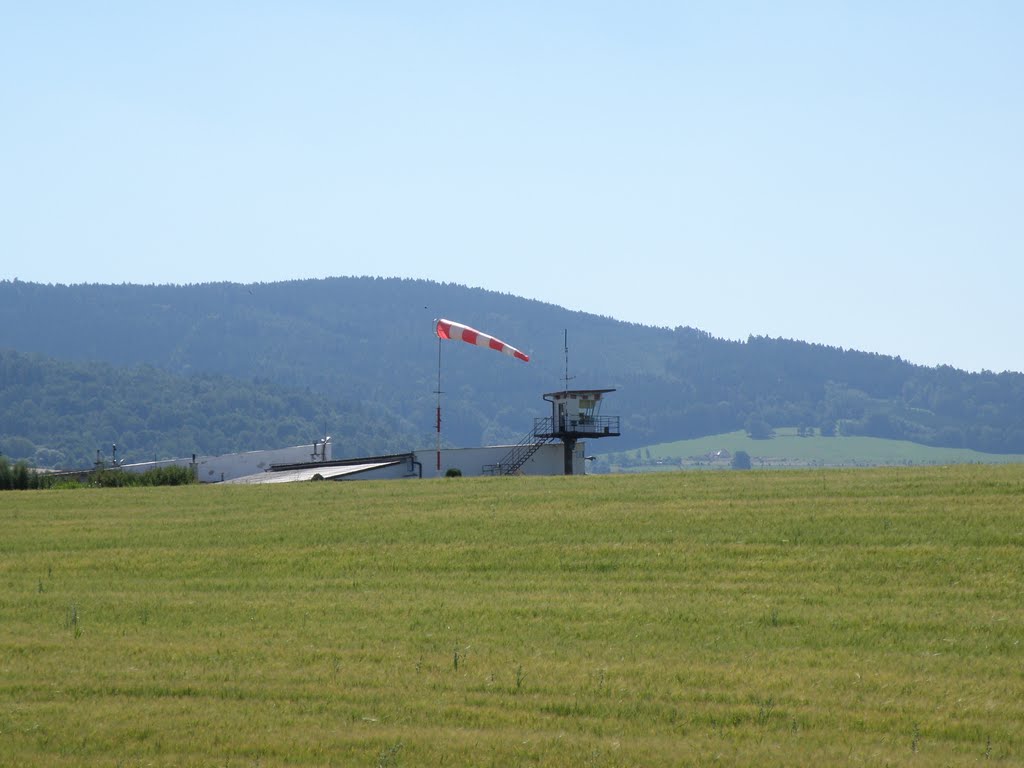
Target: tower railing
(583, 426)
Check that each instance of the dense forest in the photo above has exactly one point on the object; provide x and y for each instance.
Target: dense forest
(58, 414)
(174, 370)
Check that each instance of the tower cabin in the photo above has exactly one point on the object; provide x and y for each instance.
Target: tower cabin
(575, 415)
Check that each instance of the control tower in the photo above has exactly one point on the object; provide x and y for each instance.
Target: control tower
(575, 415)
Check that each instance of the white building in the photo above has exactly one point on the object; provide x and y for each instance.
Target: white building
(218, 469)
(553, 447)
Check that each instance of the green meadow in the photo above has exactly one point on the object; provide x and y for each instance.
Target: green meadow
(864, 617)
(786, 449)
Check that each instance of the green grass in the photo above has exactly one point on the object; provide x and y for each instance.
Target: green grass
(864, 617)
(788, 449)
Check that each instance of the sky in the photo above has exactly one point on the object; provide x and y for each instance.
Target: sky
(843, 173)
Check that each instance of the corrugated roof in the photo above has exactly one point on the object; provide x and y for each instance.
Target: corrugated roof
(307, 473)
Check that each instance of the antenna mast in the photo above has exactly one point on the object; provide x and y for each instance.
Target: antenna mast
(568, 378)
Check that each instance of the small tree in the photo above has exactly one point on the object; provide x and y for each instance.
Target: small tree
(759, 429)
(21, 478)
(741, 460)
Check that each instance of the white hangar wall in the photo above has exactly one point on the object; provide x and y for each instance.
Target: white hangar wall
(548, 460)
(216, 469)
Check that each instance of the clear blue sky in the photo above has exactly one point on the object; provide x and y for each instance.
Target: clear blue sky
(849, 173)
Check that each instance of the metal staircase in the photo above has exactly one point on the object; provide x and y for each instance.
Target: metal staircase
(523, 450)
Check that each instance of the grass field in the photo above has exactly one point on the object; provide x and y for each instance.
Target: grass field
(830, 617)
(787, 449)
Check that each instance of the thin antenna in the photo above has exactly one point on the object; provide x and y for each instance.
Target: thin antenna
(568, 378)
(438, 393)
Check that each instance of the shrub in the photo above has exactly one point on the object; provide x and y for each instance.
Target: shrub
(118, 478)
(741, 460)
(21, 478)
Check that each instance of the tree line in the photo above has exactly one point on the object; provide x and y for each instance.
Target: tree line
(20, 477)
(60, 414)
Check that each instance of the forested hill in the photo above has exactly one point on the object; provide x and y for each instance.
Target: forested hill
(59, 413)
(355, 349)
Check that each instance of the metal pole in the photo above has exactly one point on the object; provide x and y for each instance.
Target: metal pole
(438, 405)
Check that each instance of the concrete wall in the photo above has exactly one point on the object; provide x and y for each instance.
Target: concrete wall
(548, 460)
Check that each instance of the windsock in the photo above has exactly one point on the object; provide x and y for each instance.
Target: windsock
(447, 329)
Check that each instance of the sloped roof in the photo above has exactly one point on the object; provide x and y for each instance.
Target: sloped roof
(327, 472)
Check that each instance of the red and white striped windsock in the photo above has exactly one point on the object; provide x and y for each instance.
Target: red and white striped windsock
(446, 329)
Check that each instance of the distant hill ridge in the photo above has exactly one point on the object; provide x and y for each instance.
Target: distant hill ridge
(358, 356)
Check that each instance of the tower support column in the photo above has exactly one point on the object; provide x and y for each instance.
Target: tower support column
(568, 448)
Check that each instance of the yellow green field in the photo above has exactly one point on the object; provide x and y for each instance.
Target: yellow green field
(786, 449)
(833, 617)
